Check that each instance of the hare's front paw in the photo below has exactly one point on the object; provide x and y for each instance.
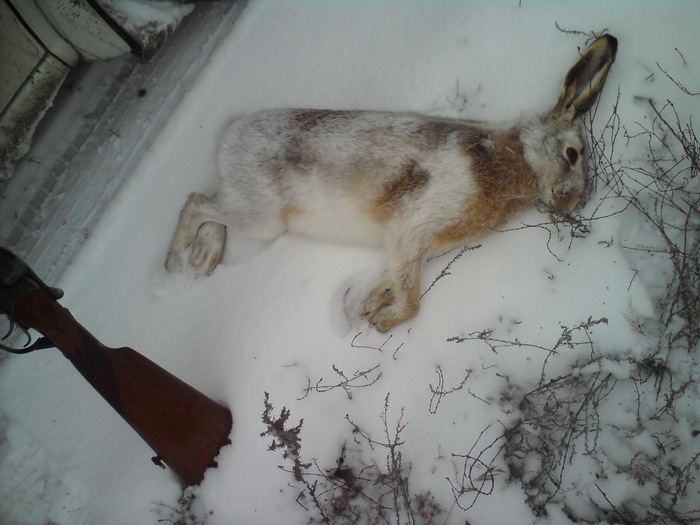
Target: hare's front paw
(380, 309)
(208, 247)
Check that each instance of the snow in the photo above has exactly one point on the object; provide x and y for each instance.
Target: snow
(281, 317)
(148, 22)
(159, 15)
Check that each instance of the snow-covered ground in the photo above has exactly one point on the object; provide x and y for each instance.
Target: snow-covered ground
(281, 317)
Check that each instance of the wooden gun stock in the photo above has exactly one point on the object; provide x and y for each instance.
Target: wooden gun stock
(184, 427)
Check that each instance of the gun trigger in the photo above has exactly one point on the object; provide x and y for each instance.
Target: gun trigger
(158, 461)
(42, 343)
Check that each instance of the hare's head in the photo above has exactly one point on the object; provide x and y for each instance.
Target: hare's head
(554, 145)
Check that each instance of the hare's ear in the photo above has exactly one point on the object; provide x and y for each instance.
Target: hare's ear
(585, 80)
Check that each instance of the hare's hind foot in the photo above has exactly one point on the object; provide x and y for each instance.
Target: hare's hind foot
(196, 231)
(208, 248)
(383, 310)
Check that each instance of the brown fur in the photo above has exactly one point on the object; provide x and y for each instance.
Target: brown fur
(435, 133)
(409, 282)
(307, 119)
(411, 179)
(506, 184)
(287, 211)
(298, 158)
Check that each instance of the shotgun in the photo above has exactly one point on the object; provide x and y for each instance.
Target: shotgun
(185, 428)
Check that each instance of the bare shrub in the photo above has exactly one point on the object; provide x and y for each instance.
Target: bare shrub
(359, 379)
(355, 490)
(560, 418)
(556, 419)
(185, 513)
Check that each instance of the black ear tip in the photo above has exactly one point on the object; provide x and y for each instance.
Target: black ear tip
(612, 42)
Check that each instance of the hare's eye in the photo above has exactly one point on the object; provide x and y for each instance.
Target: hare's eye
(572, 155)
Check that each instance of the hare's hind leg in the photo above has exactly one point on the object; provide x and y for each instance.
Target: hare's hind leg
(199, 227)
(203, 221)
